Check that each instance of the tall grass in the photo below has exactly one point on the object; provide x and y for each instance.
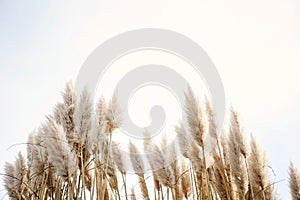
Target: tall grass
(72, 156)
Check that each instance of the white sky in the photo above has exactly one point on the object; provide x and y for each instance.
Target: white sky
(254, 44)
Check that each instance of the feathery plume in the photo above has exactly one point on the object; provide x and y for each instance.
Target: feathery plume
(139, 168)
(185, 180)
(20, 174)
(118, 159)
(136, 159)
(158, 163)
(113, 115)
(195, 118)
(294, 182)
(183, 139)
(98, 133)
(102, 112)
(195, 158)
(9, 180)
(64, 112)
(237, 156)
(258, 172)
(59, 152)
(83, 118)
(236, 134)
(176, 170)
(156, 157)
(30, 149)
(120, 162)
(212, 126)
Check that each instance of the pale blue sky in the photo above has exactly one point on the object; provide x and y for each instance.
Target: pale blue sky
(255, 45)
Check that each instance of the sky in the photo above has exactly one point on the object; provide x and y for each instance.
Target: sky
(255, 46)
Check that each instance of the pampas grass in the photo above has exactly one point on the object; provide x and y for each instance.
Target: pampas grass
(294, 182)
(59, 151)
(259, 179)
(138, 166)
(16, 180)
(238, 152)
(73, 155)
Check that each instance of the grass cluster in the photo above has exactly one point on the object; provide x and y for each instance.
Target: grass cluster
(72, 156)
